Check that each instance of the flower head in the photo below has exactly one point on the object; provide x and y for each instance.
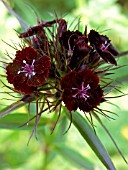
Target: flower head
(28, 70)
(67, 61)
(74, 57)
(81, 90)
(103, 46)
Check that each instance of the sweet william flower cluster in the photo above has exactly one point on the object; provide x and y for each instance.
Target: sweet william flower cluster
(58, 65)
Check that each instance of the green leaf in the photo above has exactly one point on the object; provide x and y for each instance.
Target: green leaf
(109, 134)
(93, 141)
(15, 121)
(74, 157)
(22, 23)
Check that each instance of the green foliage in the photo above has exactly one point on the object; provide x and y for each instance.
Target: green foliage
(93, 141)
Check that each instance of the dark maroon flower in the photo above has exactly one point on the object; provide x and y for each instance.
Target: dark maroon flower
(28, 70)
(103, 46)
(31, 31)
(68, 39)
(77, 46)
(79, 52)
(39, 38)
(81, 90)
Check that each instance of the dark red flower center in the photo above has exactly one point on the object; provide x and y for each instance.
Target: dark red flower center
(82, 92)
(28, 69)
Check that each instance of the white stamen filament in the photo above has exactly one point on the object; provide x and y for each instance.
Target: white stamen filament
(82, 93)
(28, 69)
(105, 45)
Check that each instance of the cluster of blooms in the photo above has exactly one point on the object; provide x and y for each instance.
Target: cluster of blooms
(59, 65)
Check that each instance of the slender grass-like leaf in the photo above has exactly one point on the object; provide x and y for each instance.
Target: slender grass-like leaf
(22, 23)
(91, 138)
(99, 120)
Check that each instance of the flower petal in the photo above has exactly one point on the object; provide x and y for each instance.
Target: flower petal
(12, 71)
(22, 86)
(70, 102)
(69, 80)
(42, 64)
(27, 54)
(108, 57)
(36, 80)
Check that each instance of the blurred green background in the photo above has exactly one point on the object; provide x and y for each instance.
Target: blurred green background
(52, 152)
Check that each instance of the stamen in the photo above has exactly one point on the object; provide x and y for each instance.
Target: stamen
(105, 45)
(81, 93)
(28, 69)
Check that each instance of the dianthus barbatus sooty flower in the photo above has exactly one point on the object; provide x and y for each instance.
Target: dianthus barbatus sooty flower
(61, 65)
(66, 60)
(103, 46)
(28, 70)
(81, 90)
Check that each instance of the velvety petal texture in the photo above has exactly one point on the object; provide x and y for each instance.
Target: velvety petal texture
(81, 90)
(103, 46)
(28, 70)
